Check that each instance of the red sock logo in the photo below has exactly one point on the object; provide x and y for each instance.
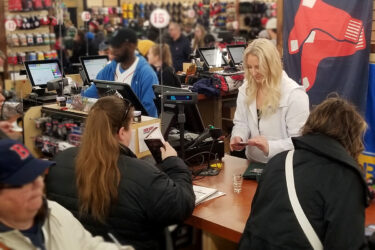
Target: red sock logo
(318, 46)
(317, 15)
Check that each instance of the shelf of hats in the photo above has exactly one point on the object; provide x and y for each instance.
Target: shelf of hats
(256, 16)
(28, 33)
(221, 14)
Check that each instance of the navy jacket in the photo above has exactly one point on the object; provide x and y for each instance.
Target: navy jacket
(180, 50)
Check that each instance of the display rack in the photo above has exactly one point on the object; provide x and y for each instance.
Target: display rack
(31, 131)
(17, 52)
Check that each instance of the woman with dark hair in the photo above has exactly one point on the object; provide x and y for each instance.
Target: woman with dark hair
(109, 190)
(328, 182)
(160, 58)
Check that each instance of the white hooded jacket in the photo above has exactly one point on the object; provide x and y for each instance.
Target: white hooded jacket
(279, 127)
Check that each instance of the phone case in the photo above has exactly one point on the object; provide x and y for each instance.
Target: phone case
(154, 146)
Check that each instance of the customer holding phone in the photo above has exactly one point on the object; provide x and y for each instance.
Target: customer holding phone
(109, 190)
(271, 107)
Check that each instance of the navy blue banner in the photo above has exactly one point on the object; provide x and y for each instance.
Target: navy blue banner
(326, 47)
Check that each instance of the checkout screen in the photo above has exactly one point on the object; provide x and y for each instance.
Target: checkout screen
(41, 73)
(93, 66)
(237, 54)
(213, 57)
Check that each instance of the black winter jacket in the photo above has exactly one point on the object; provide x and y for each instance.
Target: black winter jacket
(330, 188)
(169, 76)
(148, 199)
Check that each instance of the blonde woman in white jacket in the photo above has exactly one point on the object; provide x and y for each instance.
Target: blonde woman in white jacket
(271, 107)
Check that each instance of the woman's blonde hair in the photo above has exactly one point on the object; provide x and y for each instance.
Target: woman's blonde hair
(271, 68)
(165, 55)
(338, 119)
(97, 173)
(199, 41)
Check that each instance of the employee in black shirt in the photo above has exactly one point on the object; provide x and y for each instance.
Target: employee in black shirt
(159, 56)
(179, 45)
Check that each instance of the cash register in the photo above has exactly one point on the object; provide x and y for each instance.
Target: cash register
(41, 72)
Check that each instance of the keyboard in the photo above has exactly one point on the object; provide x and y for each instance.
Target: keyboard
(46, 98)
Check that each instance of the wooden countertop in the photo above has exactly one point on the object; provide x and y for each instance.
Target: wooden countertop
(226, 216)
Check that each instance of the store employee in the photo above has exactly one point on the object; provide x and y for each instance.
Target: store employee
(271, 107)
(129, 68)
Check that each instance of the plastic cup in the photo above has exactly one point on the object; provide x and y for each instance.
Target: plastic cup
(237, 183)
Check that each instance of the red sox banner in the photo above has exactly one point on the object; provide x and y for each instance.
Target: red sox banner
(326, 47)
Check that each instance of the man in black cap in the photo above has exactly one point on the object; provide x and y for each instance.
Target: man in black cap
(27, 219)
(129, 68)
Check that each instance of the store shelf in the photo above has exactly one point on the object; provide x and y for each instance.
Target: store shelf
(26, 13)
(29, 48)
(227, 119)
(14, 68)
(41, 29)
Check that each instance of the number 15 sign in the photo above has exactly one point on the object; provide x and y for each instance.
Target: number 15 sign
(159, 18)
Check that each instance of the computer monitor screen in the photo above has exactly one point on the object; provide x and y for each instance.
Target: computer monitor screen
(110, 87)
(236, 53)
(194, 122)
(212, 57)
(92, 65)
(42, 71)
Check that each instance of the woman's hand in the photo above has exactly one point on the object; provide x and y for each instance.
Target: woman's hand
(261, 143)
(236, 144)
(167, 151)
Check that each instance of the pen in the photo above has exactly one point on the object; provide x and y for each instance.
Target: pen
(152, 130)
(118, 244)
(114, 240)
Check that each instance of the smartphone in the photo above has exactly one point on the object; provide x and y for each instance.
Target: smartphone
(154, 145)
(242, 144)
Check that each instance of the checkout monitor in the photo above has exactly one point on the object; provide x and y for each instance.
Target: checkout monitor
(212, 57)
(111, 88)
(42, 71)
(236, 53)
(92, 65)
(194, 122)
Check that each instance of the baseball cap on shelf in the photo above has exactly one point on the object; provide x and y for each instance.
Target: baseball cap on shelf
(17, 165)
(122, 36)
(271, 23)
(94, 24)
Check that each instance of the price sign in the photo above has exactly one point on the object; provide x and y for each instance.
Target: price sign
(159, 18)
(10, 25)
(86, 16)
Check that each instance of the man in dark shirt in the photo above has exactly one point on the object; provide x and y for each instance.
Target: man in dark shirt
(180, 46)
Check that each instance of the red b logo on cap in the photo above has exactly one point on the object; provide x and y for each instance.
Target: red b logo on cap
(22, 152)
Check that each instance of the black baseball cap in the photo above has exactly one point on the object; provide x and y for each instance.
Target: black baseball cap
(121, 36)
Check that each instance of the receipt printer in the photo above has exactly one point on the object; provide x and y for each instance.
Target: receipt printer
(57, 84)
